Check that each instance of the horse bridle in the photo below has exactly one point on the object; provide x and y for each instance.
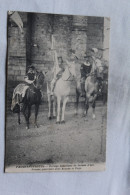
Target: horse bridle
(70, 75)
(37, 76)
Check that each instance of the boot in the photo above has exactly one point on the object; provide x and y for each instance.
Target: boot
(52, 90)
(53, 84)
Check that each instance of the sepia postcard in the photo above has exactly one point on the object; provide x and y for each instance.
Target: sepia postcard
(56, 92)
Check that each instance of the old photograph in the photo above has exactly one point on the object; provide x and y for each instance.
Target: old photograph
(56, 92)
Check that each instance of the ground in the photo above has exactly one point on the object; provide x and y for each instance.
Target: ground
(78, 140)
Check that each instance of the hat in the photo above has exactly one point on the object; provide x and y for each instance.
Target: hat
(31, 67)
(95, 50)
(87, 64)
(89, 59)
(60, 57)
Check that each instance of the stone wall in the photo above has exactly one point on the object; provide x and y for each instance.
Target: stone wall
(43, 26)
(95, 33)
(33, 46)
(17, 50)
(69, 32)
(16, 58)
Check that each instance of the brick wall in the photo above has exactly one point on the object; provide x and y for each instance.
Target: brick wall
(43, 26)
(95, 33)
(69, 32)
(33, 46)
(16, 64)
(16, 50)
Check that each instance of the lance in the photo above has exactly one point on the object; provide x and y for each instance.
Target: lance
(55, 59)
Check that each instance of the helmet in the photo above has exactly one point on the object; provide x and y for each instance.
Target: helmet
(31, 67)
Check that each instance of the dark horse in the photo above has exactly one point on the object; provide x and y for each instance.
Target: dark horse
(31, 97)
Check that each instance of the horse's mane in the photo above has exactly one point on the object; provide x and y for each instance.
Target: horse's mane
(40, 75)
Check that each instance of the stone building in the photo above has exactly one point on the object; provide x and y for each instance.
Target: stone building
(33, 45)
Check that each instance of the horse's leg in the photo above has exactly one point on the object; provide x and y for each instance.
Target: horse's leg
(36, 113)
(63, 110)
(54, 108)
(28, 116)
(58, 109)
(17, 99)
(93, 105)
(84, 109)
(19, 118)
(49, 107)
(77, 102)
(24, 113)
(93, 109)
(86, 105)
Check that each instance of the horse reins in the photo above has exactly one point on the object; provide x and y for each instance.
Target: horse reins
(69, 76)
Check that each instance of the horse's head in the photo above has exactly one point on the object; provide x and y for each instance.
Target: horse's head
(100, 66)
(39, 81)
(71, 68)
(97, 68)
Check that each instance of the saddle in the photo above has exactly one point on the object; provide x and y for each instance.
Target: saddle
(18, 95)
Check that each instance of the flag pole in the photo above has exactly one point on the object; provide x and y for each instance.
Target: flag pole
(55, 58)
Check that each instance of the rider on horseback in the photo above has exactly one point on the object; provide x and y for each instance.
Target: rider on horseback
(59, 69)
(31, 75)
(85, 69)
(30, 78)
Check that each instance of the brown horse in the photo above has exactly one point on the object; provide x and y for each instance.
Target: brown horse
(91, 90)
(31, 97)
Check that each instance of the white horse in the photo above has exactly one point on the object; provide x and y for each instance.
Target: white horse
(63, 89)
(61, 92)
(51, 100)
